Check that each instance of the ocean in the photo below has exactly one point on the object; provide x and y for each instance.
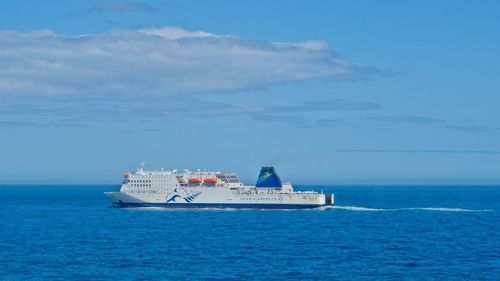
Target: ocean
(372, 233)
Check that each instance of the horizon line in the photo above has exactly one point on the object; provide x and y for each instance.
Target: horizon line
(343, 183)
(439, 151)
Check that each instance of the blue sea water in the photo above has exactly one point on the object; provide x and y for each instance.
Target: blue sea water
(373, 233)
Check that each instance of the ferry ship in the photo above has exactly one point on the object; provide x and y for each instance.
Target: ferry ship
(205, 189)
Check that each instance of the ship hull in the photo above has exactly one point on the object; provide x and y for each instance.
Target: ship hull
(216, 205)
(120, 199)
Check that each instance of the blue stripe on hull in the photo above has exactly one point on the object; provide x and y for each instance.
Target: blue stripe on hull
(217, 205)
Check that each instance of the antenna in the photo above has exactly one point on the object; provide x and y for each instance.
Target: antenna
(141, 165)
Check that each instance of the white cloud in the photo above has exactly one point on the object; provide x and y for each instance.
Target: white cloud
(156, 62)
(174, 33)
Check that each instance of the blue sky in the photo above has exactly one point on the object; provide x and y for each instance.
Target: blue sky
(327, 91)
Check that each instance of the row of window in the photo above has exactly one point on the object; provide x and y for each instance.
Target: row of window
(142, 181)
(140, 185)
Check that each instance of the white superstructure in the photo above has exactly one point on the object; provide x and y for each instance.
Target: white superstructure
(187, 189)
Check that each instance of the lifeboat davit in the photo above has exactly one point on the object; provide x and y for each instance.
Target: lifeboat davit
(210, 180)
(194, 180)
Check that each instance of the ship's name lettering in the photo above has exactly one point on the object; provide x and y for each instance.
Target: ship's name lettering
(142, 191)
(261, 198)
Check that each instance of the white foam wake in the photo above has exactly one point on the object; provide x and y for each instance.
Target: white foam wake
(438, 209)
(356, 208)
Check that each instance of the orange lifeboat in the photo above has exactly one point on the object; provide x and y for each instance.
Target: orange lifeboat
(180, 180)
(194, 180)
(210, 180)
(125, 175)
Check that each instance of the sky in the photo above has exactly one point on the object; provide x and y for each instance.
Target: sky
(328, 92)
